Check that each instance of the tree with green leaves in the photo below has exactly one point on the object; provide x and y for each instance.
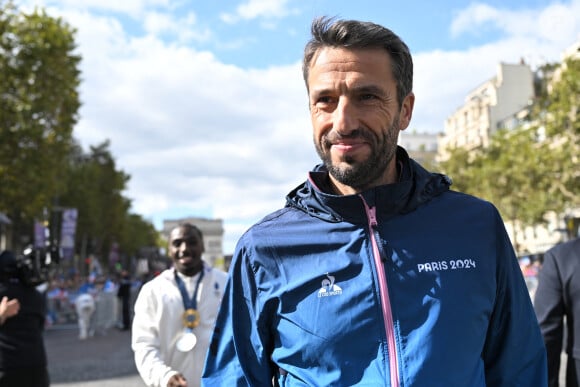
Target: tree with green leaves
(136, 234)
(558, 117)
(95, 186)
(39, 103)
(42, 168)
(534, 169)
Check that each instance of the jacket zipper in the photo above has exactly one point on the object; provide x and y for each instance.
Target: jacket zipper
(385, 300)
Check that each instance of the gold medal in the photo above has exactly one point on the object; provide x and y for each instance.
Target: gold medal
(191, 318)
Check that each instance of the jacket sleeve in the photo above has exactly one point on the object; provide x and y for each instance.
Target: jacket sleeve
(239, 351)
(145, 341)
(549, 306)
(514, 352)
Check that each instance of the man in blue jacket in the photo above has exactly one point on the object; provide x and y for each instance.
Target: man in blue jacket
(374, 273)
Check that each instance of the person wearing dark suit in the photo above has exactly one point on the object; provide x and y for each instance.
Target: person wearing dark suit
(557, 299)
(124, 294)
(23, 361)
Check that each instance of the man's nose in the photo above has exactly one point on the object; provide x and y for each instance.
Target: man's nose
(344, 117)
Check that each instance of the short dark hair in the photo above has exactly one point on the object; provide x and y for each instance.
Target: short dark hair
(191, 227)
(329, 32)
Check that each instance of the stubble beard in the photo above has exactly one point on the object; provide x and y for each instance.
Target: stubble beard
(365, 174)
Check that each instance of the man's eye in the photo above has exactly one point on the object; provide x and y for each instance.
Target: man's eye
(189, 242)
(324, 100)
(367, 97)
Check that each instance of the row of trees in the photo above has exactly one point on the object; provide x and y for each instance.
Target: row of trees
(42, 166)
(534, 169)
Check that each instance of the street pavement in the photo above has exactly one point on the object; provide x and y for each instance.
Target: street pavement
(99, 361)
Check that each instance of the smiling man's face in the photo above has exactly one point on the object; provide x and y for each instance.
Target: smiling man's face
(356, 116)
(186, 248)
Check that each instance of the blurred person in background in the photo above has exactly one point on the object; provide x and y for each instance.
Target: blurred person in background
(85, 308)
(23, 310)
(530, 272)
(105, 314)
(175, 314)
(124, 296)
(557, 305)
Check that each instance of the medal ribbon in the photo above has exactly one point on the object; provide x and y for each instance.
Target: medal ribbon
(191, 316)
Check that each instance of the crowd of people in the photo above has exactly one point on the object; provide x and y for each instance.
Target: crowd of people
(96, 302)
(531, 266)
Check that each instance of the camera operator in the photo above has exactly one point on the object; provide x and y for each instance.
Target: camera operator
(22, 316)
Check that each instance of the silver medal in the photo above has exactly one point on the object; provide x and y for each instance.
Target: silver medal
(186, 342)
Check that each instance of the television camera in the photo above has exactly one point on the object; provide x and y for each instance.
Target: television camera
(31, 267)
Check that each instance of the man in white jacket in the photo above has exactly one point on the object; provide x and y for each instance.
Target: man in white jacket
(175, 314)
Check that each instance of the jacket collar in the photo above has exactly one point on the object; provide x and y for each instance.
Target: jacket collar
(415, 187)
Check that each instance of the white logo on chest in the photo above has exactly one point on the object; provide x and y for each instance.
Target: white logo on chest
(329, 288)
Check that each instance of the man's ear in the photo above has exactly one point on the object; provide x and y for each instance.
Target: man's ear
(406, 111)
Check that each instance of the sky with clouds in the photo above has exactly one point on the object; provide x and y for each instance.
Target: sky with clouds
(204, 102)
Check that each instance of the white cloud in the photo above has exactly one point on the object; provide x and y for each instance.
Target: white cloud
(471, 18)
(552, 24)
(263, 8)
(181, 30)
(254, 9)
(132, 8)
(558, 22)
(443, 78)
(192, 132)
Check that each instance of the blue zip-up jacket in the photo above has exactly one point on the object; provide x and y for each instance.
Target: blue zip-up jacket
(406, 284)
